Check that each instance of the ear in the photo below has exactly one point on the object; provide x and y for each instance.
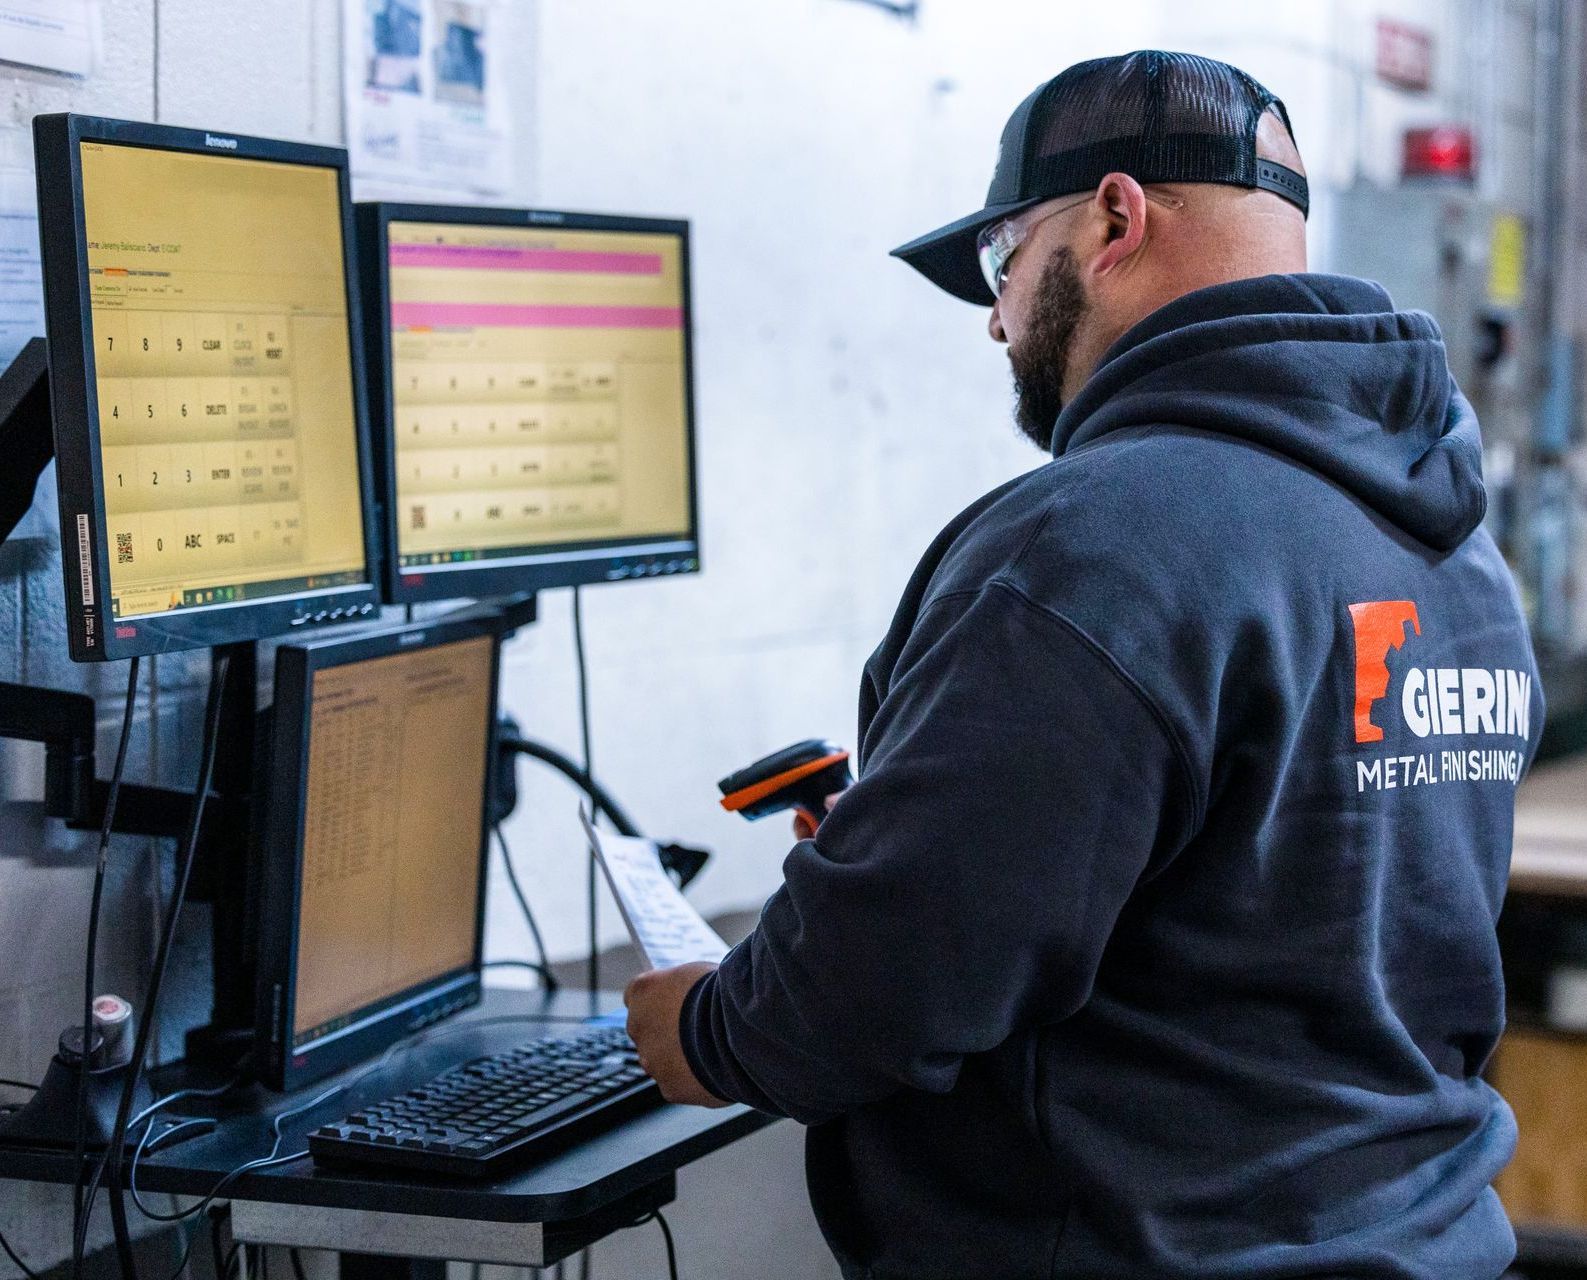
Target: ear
(1122, 205)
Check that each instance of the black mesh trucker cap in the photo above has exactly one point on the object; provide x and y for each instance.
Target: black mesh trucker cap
(1159, 117)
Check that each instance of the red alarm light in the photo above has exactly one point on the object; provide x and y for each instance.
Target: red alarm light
(1444, 151)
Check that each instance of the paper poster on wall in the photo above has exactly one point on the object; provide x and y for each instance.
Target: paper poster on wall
(22, 299)
(57, 35)
(21, 286)
(426, 103)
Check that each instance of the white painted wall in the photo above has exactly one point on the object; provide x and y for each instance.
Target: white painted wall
(846, 409)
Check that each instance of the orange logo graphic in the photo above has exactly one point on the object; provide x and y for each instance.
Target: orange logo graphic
(1380, 626)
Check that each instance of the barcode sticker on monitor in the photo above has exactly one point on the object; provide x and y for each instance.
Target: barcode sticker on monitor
(85, 561)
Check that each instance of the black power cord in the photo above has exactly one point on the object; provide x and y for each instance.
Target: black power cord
(145, 1114)
(278, 1132)
(656, 1216)
(264, 1162)
(599, 796)
(589, 772)
(544, 967)
(672, 1250)
(116, 1149)
(80, 1144)
(681, 860)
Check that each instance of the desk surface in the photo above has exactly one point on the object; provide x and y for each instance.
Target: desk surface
(579, 1181)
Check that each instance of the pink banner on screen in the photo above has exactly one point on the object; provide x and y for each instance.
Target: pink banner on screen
(503, 315)
(490, 258)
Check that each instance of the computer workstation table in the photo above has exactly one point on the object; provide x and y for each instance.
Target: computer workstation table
(393, 1226)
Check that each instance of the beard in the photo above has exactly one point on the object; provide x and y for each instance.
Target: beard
(1042, 357)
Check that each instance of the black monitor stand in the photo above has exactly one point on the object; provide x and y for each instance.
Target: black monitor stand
(64, 721)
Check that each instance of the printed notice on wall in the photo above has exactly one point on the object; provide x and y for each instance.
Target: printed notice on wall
(57, 35)
(426, 99)
(22, 293)
(21, 289)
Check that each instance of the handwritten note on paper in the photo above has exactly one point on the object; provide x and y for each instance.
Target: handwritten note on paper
(662, 922)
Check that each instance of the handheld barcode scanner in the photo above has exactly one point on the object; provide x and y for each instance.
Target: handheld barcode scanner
(800, 777)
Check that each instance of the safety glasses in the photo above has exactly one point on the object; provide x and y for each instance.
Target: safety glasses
(996, 245)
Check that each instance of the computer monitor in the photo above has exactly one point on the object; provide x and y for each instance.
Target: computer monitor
(209, 411)
(373, 843)
(534, 422)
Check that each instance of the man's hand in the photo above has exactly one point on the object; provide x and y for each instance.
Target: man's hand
(654, 1001)
(804, 829)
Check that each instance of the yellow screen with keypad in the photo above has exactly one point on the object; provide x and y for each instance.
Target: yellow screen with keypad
(228, 437)
(539, 389)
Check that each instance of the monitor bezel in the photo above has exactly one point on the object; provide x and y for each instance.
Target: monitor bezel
(93, 634)
(284, 797)
(564, 565)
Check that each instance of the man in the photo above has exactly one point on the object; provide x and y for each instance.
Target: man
(1156, 938)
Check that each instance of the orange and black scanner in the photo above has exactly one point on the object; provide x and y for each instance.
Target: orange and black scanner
(800, 777)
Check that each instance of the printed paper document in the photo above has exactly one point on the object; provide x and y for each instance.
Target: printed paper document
(663, 923)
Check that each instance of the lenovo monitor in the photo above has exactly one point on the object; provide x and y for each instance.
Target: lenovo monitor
(206, 385)
(534, 415)
(373, 843)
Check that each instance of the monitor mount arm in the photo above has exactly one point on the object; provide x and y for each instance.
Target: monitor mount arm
(64, 722)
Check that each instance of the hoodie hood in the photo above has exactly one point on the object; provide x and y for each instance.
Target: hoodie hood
(1319, 368)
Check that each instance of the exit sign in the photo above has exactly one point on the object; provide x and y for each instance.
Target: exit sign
(1405, 55)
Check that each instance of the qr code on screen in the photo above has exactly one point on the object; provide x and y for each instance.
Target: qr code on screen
(123, 548)
(418, 518)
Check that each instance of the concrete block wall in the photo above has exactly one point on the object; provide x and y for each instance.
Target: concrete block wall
(846, 410)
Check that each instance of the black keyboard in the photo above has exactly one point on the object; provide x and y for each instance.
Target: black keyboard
(508, 1109)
